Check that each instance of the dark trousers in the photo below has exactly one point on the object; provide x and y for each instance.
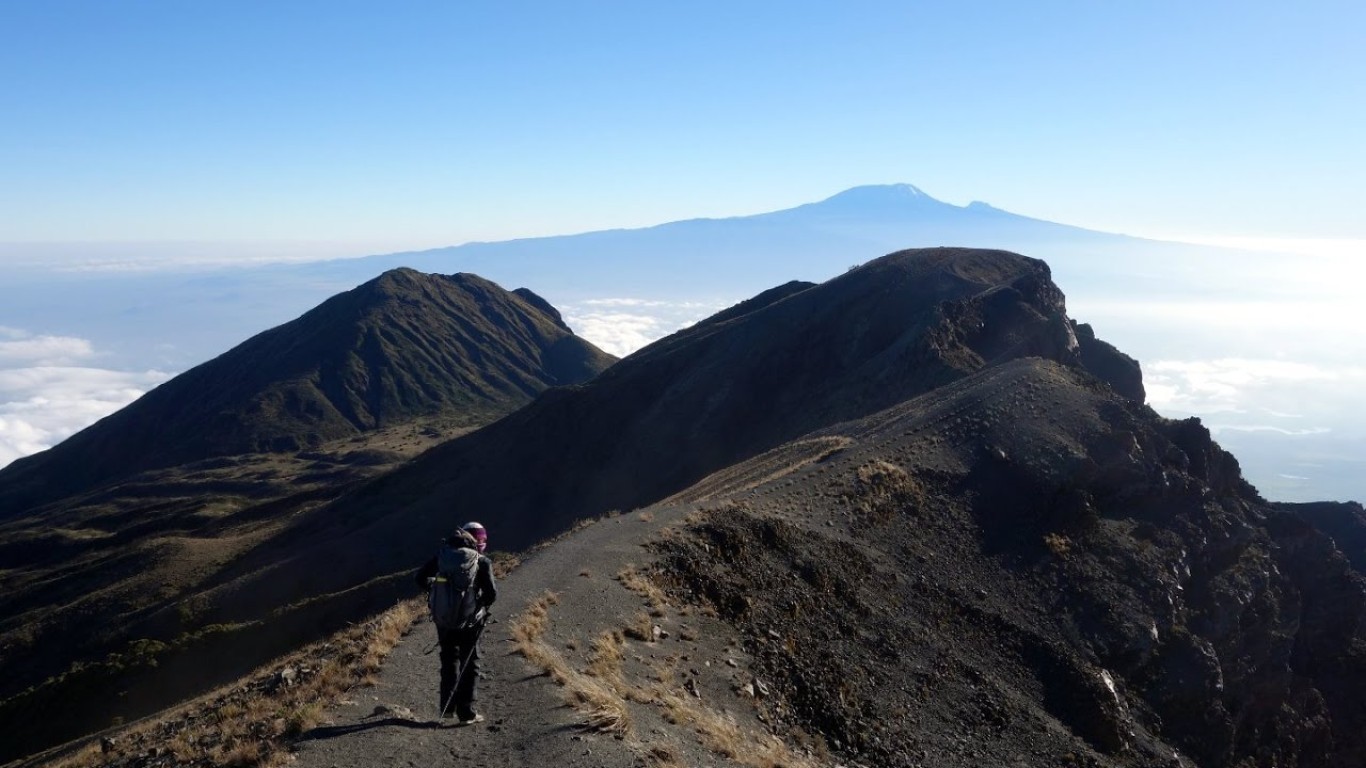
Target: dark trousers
(459, 646)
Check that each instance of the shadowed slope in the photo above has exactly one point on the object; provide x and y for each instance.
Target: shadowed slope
(402, 345)
(697, 401)
(101, 605)
(1344, 523)
(792, 360)
(1024, 563)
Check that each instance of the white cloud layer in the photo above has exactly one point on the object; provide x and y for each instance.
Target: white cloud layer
(45, 397)
(43, 350)
(1296, 427)
(623, 325)
(1277, 387)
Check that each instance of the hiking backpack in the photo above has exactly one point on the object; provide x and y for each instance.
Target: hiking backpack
(452, 600)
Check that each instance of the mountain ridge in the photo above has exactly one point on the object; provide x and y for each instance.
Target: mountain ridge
(812, 357)
(283, 423)
(399, 346)
(1074, 577)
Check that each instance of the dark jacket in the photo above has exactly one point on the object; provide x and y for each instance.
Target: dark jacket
(484, 584)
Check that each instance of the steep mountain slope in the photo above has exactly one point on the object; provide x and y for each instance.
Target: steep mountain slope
(400, 346)
(1024, 568)
(719, 392)
(101, 591)
(935, 520)
(1018, 568)
(793, 359)
(1345, 524)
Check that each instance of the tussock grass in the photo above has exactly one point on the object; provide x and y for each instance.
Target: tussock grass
(504, 563)
(883, 491)
(247, 753)
(530, 626)
(722, 735)
(640, 628)
(605, 656)
(602, 691)
(664, 755)
(718, 731)
(603, 708)
(252, 721)
(641, 584)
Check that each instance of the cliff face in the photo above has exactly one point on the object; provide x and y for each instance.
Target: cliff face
(1344, 523)
(1023, 563)
(934, 505)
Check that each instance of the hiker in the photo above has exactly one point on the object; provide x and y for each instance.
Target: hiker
(460, 589)
(481, 536)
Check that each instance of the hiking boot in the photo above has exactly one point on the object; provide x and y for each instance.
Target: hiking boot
(471, 720)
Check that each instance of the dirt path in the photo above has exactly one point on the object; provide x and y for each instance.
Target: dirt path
(527, 721)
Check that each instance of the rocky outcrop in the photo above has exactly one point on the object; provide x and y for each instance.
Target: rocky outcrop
(1344, 523)
(1071, 561)
(993, 552)
(1115, 368)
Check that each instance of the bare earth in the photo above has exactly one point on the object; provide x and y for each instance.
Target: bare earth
(527, 719)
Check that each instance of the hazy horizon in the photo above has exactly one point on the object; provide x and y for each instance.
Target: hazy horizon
(1254, 344)
(191, 156)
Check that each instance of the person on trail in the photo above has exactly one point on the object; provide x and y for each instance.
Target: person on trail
(460, 589)
(481, 536)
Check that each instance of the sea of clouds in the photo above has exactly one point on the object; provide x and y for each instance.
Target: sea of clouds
(52, 387)
(621, 326)
(1263, 349)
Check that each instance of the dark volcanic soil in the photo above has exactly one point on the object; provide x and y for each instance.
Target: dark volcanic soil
(529, 722)
(1023, 569)
(1020, 569)
(939, 528)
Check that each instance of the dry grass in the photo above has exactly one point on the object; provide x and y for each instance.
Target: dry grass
(530, 626)
(664, 755)
(637, 582)
(1057, 543)
(602, 707)
(243, 754)
(719, 732)
(640, 628)
(723, 736)
(253, 721)
(602, 692)
(504, 563)
(605, 656)
(883, 491)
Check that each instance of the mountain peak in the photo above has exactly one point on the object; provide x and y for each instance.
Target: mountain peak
(879, 200)
(881, 193)
(403, 345)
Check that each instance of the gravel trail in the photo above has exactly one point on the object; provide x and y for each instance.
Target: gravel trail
(527, 721)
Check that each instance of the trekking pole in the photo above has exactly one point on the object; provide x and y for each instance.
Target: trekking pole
(469, 657)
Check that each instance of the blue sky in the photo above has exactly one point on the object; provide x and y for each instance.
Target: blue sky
(367, 127)
(146, 134)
